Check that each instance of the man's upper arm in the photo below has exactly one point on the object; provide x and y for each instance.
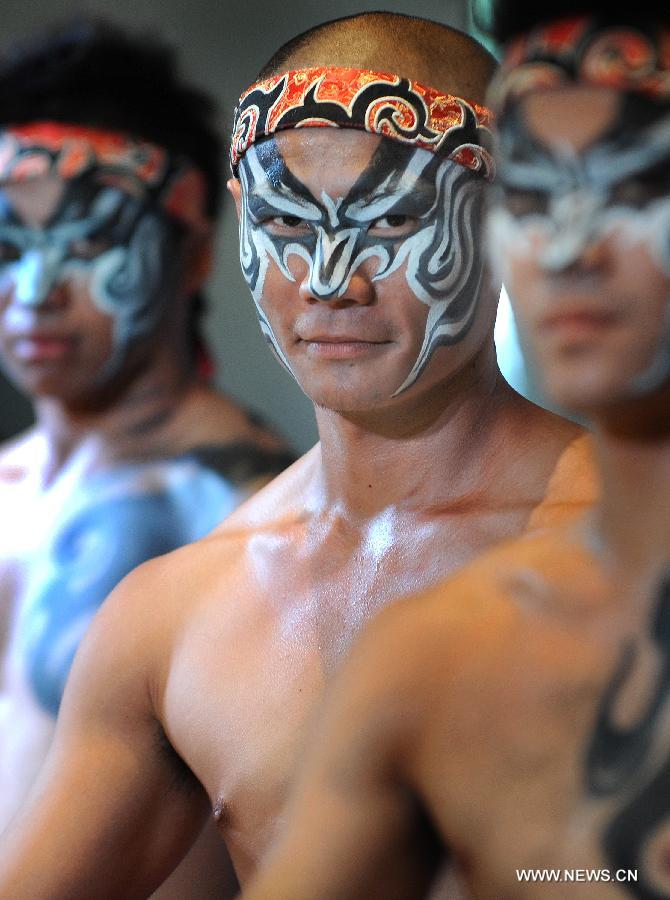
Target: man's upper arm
(114, 808)
(354, 828)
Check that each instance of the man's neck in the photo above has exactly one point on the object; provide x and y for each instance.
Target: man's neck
(426, 453)
(634, 461)
(128, 427)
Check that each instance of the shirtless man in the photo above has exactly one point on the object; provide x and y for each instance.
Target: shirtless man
(523, 709)
(362, 254)
(103, 245)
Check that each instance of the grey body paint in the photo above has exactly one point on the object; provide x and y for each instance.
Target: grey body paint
(443, 266)
(552, 205)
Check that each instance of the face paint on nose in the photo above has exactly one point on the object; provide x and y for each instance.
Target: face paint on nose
(37, 274)
(335, 236)
(334, 259)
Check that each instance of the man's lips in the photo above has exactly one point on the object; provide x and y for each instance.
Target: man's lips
(41, 347)
(579, 322)
(340, 346)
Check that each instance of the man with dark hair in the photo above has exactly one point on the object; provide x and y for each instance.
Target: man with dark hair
(519, 715)
(106, 221)
(360, 243)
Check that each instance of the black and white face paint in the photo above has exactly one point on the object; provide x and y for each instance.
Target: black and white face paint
(551, 204)
(441, 255)
(122, 244)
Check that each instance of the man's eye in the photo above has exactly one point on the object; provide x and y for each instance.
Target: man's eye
(635, 193)
(394, 223)
(88, 248)
(9, 252)
(525, 203)
(285, 223)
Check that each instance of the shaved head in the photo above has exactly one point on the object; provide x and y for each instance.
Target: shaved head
(425, 51)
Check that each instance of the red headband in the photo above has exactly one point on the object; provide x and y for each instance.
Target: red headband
(53, 148)
(378, 102)
(585, 50)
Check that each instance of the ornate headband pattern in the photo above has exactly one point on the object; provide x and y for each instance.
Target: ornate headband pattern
(378, 102)
(37, 149)
(582, 49)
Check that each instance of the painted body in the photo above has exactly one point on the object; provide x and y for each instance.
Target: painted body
(396, 748)
(64, 550)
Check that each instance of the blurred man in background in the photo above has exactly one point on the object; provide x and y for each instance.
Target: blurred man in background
(109, 187)
(520, 713)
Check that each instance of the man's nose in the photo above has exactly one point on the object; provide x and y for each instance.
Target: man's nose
(578, 242)
(36, 275)
(331, 275)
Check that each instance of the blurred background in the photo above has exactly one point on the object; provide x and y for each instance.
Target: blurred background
(221, 46)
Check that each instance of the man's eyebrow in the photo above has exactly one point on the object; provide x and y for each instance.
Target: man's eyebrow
(267, 196)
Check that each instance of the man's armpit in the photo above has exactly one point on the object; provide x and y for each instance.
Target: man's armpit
(183, 778)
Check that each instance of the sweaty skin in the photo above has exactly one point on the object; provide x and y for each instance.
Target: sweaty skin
(177, 705)
(201, 696)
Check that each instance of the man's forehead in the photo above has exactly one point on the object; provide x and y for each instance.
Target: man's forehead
(35, 200)
(327, 159)
(573, 116)
(364, 164)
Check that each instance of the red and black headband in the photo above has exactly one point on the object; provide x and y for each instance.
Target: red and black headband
(585, 50)
(36, 149)
(377, 102)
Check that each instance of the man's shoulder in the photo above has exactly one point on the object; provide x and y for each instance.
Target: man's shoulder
(282, 503)
(217, 564)
(573, 487)
(558, 557)
(227, 438)
(538, 576)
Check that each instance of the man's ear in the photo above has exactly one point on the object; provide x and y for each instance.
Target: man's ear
(235, 190)
(199, 257)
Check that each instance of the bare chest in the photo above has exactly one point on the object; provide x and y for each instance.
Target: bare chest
(570, 787)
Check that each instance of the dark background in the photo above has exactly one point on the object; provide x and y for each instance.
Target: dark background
(222, 45)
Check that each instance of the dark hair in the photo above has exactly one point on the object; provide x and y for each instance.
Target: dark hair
(386, 20)
(510, 18)
(91, 72)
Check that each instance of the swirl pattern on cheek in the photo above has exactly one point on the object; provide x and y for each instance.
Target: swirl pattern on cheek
(445, 266)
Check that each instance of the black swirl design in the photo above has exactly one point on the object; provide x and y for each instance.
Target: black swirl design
(624, 762)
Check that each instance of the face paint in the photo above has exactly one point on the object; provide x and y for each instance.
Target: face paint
(335, 236)
(124, 247)
(551, 205)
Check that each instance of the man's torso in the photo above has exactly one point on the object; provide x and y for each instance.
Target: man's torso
(278, 596)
